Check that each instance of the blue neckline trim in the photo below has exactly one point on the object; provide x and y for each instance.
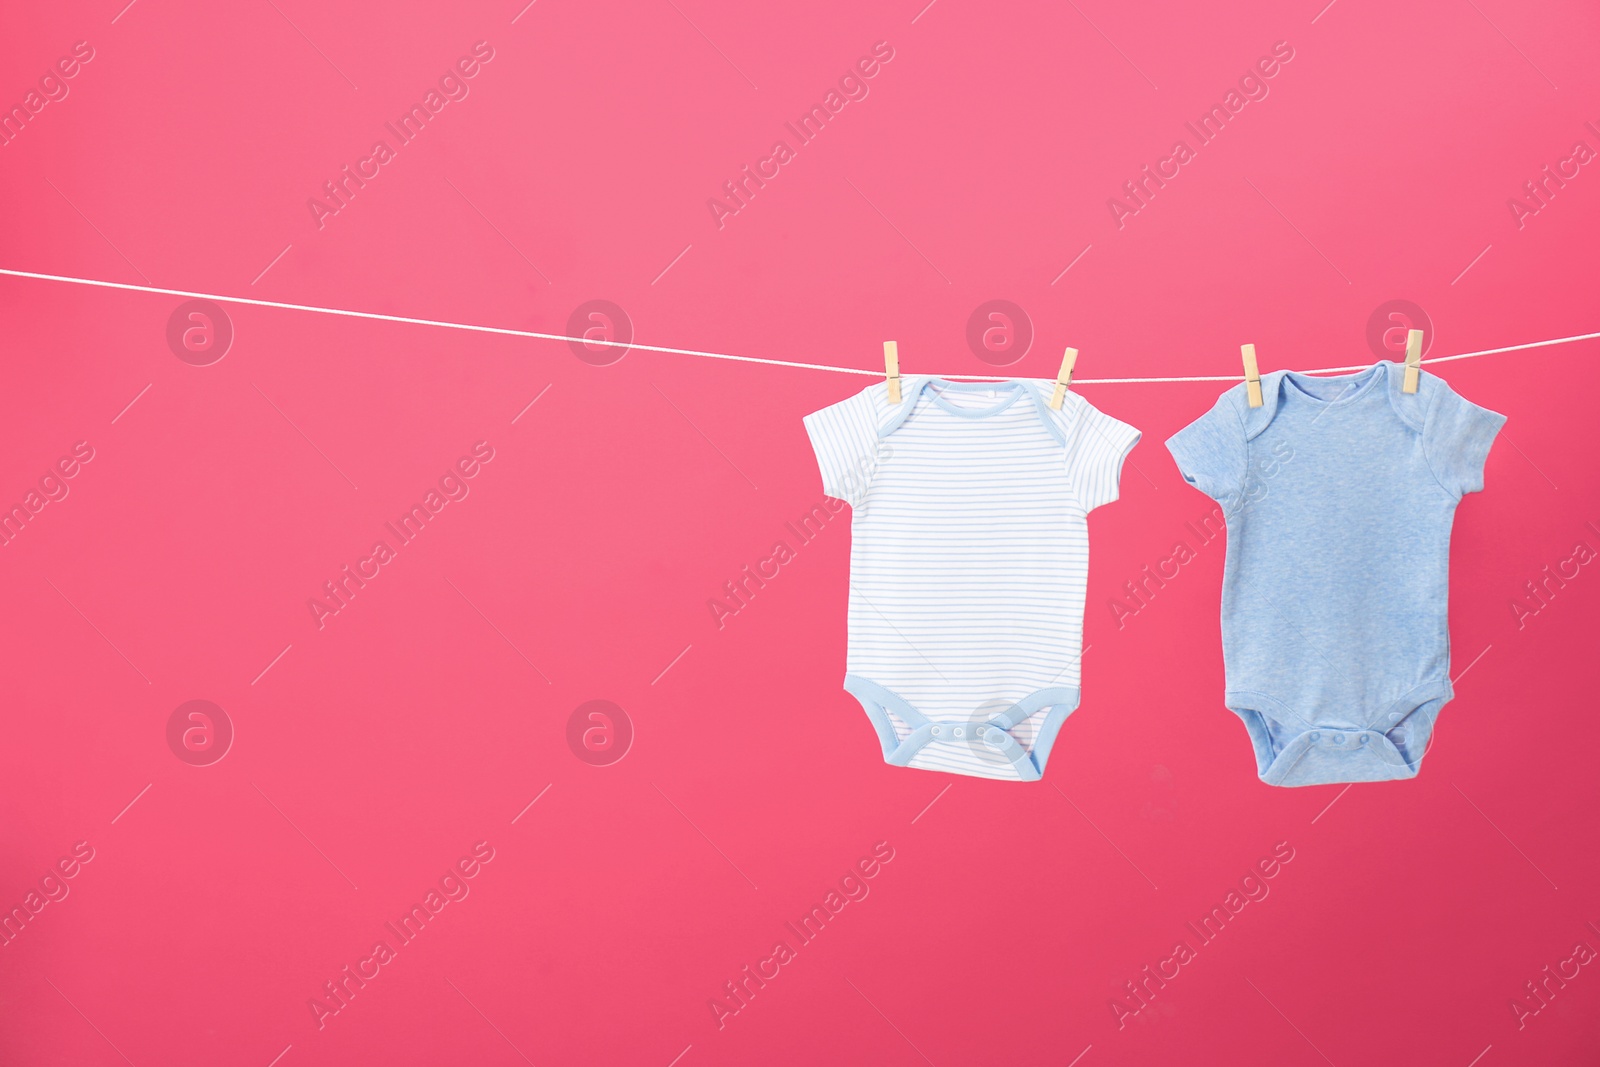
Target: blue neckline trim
(937, 387)
(916, 388)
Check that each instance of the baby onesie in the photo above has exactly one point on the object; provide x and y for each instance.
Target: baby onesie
(969, 558)
(1338, 495)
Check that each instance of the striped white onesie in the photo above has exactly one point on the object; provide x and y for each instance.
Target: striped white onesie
(968, 563)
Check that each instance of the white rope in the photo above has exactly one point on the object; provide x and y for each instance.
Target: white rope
(97, 283)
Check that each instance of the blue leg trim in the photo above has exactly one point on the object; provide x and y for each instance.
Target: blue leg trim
(874, 700)
(1062, 705)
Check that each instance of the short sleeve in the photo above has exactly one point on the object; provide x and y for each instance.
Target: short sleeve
(845, 439)
(1097, 444)
(1210, 452)
(1456, 436)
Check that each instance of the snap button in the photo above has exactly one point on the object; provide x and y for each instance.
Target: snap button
(1362, 739)
(1338, 739)
(960, 731)
(1315, 736)
(997, 737)
(937, 731)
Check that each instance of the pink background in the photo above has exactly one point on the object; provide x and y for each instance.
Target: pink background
(372, 754)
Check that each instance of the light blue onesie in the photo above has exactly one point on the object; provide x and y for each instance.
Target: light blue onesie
(1338, 495)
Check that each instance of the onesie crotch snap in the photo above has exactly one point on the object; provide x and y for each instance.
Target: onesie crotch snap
(1337, 755)
(1011, 740)
(988, 741)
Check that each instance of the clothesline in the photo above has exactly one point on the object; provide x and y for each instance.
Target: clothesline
(472, 328)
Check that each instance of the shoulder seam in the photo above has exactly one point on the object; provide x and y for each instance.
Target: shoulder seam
(1418, 425)
(1422, 440)
(1245, 440)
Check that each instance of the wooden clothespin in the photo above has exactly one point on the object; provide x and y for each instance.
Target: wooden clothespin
(891, 369)
(1252, 375)
(1064, 379)
(1413, 361)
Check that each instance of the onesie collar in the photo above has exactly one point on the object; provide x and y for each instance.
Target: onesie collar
(1274, 384)
(1023, 392)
